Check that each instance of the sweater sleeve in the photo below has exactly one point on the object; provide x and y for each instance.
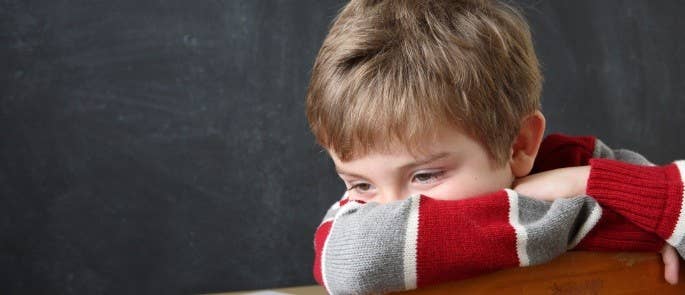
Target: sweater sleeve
(649, 196)
(377, 248)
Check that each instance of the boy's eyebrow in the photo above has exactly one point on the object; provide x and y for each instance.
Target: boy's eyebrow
(420, 162)
(347, 173)
(426, 160)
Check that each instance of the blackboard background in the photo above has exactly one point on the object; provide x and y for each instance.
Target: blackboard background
(161, 146)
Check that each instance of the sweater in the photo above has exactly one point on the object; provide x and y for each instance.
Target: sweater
(630, 205)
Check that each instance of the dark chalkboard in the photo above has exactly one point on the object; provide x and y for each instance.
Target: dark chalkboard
(161, 146)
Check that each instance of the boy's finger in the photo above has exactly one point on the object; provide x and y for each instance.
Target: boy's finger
(671, 264)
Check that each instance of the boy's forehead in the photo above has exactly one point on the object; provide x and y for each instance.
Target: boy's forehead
(428, 144)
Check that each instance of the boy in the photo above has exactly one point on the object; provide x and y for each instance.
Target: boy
(430, 111)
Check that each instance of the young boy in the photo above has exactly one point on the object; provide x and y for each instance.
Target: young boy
(430, 111)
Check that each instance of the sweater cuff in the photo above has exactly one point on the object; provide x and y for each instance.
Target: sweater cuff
(649, 196)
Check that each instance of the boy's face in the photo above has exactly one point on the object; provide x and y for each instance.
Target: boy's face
(453, 167)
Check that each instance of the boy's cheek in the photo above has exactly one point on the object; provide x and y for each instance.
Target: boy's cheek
(462, 189)
(449, 190)
(446, 198)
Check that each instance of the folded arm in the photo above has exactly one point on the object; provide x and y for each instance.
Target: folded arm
(419, 241)
(625, 183)
(369, 247)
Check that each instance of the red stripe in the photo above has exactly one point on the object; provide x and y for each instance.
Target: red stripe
(614, 232)
(319, 241)
(347, 200)
(461, 239)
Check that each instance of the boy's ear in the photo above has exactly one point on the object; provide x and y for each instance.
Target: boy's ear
(526, 145)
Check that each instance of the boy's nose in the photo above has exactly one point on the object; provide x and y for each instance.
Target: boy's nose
(392, 195)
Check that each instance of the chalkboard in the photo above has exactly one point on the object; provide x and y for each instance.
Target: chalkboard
(161, 146)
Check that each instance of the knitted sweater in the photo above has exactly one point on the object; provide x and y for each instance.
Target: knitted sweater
(419, 241)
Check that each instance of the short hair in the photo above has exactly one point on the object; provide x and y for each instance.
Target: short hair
(396, 71)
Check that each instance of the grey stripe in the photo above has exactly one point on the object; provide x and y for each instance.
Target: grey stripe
(552, 226)
(531, 210)
(602, 150)
(363, 239)
(631, 157)
(624, 155)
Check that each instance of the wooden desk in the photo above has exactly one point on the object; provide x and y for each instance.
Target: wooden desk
(572, 273)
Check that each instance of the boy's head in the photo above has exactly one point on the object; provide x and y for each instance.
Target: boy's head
(397, 76)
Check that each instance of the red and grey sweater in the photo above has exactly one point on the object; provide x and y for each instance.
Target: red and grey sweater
(631, 205)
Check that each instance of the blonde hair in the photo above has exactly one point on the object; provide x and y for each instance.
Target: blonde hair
(396, 71)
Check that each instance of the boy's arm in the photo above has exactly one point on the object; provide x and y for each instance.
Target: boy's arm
(369, 247)
(649, 196)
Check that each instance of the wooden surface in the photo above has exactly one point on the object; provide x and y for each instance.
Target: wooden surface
(572, 273)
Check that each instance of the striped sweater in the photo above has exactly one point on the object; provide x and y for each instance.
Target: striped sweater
(630, 205)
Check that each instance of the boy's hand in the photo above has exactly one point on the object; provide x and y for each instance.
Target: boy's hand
(554, 184)
(671, 264)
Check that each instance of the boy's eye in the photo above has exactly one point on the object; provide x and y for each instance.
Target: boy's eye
(361, 187)
(426, 177)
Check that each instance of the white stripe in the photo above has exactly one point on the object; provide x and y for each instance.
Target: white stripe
(344, 209)
(326, 220)
(590, 223)
(679, 230)
(335, 206)
(410, 238)
(323, 260)
(345, 195)
(521, 234)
